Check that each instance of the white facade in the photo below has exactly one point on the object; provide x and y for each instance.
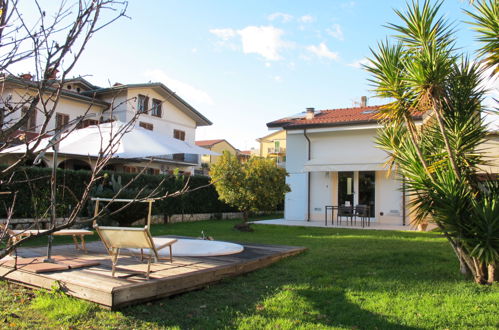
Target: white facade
(314, 182)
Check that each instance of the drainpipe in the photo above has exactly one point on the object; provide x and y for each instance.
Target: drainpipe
(308, 174)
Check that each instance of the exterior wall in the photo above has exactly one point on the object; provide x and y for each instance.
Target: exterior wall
(491, 151)
(171, 118)
(219, 148)
(388, 199)
(73, 108)
(295, 203)
(267, 146)
(344, 147)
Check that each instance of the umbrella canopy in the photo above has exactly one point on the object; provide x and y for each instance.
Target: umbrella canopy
(126, 142)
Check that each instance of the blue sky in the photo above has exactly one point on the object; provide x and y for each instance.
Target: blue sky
(245, 63)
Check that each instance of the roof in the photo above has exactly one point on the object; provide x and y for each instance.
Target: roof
(65, 93)
(267, 137)
(208, 143)
(330, 117)
(193, 113)
(245, 152)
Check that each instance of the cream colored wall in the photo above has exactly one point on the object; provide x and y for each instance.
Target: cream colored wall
(71, 107)
(268, 142)
(172, 118)
(219, 148)
(491, 153)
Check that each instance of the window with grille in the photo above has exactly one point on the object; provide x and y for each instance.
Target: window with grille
(178, 134)
(61, 120)
(142, 103)
(156, 108)
(87, 122)
(146, 125)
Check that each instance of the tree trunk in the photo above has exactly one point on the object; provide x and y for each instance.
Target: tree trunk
(491, 268)
(244, 226)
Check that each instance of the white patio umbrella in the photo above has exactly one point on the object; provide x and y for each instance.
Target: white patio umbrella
(127, 142)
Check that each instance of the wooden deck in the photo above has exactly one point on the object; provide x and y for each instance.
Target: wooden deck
(96, 284)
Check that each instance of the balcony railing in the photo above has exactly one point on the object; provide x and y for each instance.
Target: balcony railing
(276, 150)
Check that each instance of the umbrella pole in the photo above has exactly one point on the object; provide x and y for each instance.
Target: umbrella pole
(53, 191)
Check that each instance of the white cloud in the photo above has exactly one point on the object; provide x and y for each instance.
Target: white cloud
(188, 92)
(263, 40)
(224, 34)
(306, 19)
(335, 31)
(323, 51)
(277, 78)
(268, 64)
(358, 64)
(280, 16)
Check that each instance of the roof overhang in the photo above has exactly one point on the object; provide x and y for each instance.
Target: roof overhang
(170, 95)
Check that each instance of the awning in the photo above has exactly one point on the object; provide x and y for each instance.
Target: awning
(324, 166)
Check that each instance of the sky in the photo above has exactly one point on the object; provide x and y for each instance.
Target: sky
(245, 63)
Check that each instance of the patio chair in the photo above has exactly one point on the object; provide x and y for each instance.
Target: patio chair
(344, 211)
(362, 211)
(117, 238)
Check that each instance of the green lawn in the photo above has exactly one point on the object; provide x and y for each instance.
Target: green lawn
(354, 279)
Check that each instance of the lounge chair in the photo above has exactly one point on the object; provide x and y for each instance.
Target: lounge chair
(18, 234)
(116, 238)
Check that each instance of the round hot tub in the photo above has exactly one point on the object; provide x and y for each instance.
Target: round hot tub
(185, 247)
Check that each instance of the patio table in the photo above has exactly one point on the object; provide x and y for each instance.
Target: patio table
(332, 208)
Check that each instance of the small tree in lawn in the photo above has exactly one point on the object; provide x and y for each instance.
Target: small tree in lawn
(257, 185)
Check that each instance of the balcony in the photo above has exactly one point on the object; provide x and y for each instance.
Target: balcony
(276, 151)
(181, 158)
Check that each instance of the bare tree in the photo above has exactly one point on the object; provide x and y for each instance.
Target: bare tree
(50, 46)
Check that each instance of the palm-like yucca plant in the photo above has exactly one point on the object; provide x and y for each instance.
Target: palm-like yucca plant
(486, 24)
(438, 159)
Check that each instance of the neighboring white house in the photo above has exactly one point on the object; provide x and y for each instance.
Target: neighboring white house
(160, 110)
(332, 159)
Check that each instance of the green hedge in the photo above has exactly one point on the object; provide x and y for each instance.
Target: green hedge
(33, 197)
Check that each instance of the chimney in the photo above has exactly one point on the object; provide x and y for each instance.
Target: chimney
(363, 101)
(52, 73)
(310, 113)
(26, 76)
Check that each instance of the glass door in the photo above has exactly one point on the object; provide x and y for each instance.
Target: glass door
(366, 190)
(345, 188)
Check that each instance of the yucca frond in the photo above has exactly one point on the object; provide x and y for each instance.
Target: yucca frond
(486, 24)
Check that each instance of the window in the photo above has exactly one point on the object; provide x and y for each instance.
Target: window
(142, 103)
(30, 124)
(178, 134)
(61, 120)
(87, 122)
(146, 125)
(156, 108)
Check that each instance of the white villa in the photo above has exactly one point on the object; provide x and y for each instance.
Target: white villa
(332, 160)
(160, 110)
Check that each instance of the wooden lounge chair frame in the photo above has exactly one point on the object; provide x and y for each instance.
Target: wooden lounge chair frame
(18, 234)
(117, 238)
